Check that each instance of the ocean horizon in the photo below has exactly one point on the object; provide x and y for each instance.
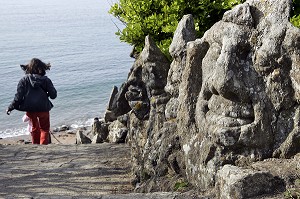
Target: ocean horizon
(78, 38)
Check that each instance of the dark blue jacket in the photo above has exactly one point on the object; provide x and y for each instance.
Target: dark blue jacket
(32, 94)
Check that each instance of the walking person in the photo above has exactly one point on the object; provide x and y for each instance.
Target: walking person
(25, 118)
(33, 92)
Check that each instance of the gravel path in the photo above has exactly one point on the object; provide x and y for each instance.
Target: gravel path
(56, 171)
(64, 171)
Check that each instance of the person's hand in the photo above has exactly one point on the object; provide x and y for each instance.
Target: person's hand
(8, 111)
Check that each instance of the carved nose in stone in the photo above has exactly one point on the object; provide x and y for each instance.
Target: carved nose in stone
(225, 81)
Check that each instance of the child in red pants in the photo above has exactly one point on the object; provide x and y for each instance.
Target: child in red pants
(32, 96)
(38, 126)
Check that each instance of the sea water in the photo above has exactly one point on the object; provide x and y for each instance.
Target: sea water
(78, 38)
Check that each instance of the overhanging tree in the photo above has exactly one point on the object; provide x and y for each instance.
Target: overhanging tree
(295, 19)
(159, 18)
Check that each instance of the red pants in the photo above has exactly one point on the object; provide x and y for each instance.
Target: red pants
(40, 127)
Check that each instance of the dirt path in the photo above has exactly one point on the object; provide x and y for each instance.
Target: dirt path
(58, 171)
(72, 171)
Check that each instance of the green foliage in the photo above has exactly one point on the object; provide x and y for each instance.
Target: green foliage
(295, 19)
(159, 18)
(180, 186)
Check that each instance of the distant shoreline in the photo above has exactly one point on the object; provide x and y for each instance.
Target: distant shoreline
(23, 131)
(58, 136)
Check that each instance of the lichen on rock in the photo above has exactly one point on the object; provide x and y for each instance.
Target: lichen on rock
(228, 98)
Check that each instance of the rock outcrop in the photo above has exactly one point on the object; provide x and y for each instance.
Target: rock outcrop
(228, 100)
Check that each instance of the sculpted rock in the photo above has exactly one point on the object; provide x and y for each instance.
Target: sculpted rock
(155, 142)
(155, 68)
(112, 97)
(81, 138)
(235, 182)
(147, 98)
(246, 107)
(96, 126)
(109, 114)
(119, 105)
(146, 79)
(229, 99)
(117, 132)
(184, 33)
(99, 131)
(96, 139)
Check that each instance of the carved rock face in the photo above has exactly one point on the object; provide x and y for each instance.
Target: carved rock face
(225, 103)
(247, 93)
(146, 79)
(233, 96)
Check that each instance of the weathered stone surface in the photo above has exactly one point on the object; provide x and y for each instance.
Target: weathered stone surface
(156, 146)
(230, 98)
(97, 139)
(117, 132)
(109, 116)
(96, 126)
(235, 182)
(184, 33)
(286, 169)
(147, 99)
(246, 91)
(99, 131)
(172, 108)
(123, 119)
(120, 105)
(112, 98)
(147, 79)
(81, 138)
(61, 128)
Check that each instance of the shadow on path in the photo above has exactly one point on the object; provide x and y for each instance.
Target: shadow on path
(64, 171)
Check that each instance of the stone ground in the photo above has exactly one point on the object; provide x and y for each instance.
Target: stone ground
(69, 171)
(65, 170)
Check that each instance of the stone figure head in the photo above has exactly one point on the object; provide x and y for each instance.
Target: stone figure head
(147, 78)
(247, 104)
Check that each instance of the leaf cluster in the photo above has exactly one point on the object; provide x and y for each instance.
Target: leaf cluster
(159, 18)
(295, 19)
